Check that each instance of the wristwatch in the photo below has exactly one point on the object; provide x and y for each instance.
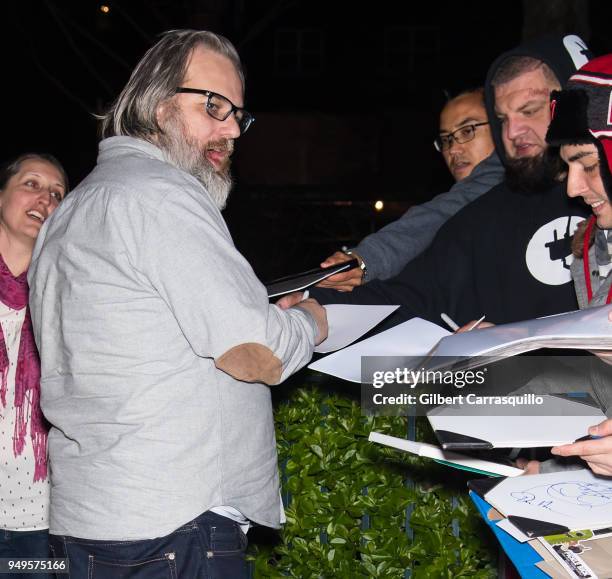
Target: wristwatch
(362, 265)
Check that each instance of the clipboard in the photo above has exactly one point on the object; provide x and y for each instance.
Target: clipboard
(451, 459)
(561, 419)
(539, 526)
(299, 281)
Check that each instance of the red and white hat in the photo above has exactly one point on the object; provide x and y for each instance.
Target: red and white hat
(582, 113)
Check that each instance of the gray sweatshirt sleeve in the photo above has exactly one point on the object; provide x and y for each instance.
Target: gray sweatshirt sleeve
(388, 250)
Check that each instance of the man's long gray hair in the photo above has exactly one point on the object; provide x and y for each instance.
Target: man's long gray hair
(160, 71)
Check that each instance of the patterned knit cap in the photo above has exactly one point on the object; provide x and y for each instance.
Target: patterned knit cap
(582, 113)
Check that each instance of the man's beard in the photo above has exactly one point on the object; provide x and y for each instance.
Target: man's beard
(534, 174)
(184, 152)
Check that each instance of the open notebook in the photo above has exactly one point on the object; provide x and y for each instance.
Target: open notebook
(452, 459)
(559, 419)
(587, 329)
(300, 281)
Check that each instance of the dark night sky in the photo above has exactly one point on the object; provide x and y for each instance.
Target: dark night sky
(364, 92)
(66, 59)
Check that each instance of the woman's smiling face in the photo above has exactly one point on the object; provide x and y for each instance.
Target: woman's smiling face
(29, 197)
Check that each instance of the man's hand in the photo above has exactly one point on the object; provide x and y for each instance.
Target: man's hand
(318, 312)
(529, 466)
(597, 453)
(473, 325)
(344, 281)
(290, 300)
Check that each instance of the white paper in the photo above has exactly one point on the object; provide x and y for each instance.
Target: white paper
(576, 499)
(434, 452)
(415, 337)
(524, 426)
(348, 322)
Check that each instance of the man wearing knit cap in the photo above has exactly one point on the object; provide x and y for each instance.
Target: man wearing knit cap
(582, 126)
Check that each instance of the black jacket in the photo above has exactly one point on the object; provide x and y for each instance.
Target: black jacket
(478, 263)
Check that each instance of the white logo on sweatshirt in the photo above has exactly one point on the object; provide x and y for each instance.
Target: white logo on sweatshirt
(577, 50)
(549, 253)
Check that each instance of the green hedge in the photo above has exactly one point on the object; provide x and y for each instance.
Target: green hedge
(356, 509)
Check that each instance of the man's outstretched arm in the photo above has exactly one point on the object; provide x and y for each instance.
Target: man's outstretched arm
(387, 251)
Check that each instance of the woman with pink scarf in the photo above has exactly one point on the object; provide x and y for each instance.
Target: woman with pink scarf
(31, 187)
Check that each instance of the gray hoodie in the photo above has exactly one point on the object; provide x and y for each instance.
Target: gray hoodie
(387, 251)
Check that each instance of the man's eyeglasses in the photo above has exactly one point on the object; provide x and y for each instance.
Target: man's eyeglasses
(462, 135)
(220, 107)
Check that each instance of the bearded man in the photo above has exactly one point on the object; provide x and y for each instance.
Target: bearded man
(157, 340)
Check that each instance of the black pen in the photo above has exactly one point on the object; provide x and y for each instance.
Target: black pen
(588, 437)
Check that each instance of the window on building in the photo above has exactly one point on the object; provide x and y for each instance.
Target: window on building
(299, 51)
(410, 49)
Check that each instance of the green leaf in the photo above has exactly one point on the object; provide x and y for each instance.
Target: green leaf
(317, 450)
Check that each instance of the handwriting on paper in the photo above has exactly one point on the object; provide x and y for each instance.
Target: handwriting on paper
(576, 499)
(564, 497)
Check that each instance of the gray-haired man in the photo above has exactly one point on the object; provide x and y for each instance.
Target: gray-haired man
(156, 338)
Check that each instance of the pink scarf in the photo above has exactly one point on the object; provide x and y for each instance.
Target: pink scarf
(14, 294)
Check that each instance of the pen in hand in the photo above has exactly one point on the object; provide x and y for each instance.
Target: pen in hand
(475, 324)
(455, 327)
(449, 322)
(588, 437)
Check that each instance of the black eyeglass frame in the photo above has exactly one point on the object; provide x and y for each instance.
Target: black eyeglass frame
(244, 121)
(438, 140)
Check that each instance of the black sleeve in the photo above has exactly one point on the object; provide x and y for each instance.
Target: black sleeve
(434, 282)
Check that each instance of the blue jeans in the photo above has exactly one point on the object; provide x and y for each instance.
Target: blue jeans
(209, 547)
(24, 544)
